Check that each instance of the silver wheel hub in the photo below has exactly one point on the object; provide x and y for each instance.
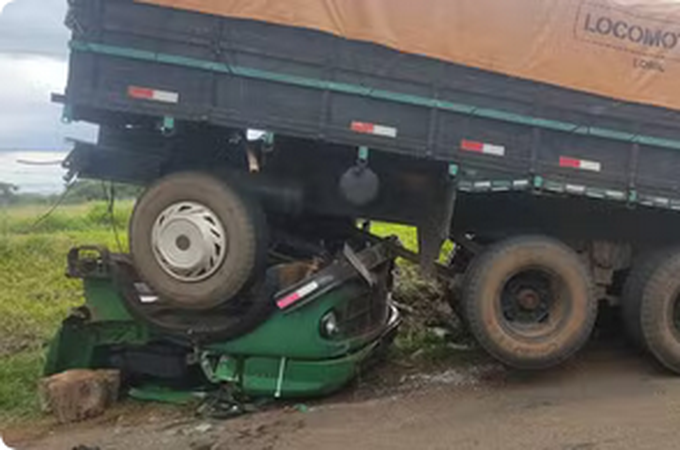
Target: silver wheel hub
(189, 241)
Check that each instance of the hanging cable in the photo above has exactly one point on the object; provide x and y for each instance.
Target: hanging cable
(25, 162)
(111, 204)
(53, 208)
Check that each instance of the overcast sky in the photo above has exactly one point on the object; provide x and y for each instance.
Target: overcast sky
(33, 55)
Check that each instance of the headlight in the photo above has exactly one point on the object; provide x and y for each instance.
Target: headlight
(330, 327)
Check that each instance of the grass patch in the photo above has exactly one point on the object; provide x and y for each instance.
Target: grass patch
(84, 217)
(408, 236)
(35, 295)
(19, 376)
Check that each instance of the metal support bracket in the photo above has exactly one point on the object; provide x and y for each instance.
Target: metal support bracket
(168, 126)
(67, 114)
(362, 156)
(354, 260)
(435, 228)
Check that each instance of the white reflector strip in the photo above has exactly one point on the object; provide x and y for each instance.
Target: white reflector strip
(575, 188)
(482, 147)
(495, 150)
(148, 299)
(153, 94)
(374, 129)
(297, 295)
(582, 164)
(616, 194)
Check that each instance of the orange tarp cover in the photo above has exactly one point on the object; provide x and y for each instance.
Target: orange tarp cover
(625, 49)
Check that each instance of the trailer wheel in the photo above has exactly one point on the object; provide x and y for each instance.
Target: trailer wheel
(529, 302)
(633, 291)
(660, 312)
(196, 241)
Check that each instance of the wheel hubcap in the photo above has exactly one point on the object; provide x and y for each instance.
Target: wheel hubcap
(529, 299)
(189, 241)
(531, 303)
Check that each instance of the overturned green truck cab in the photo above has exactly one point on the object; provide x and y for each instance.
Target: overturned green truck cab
(310, 337)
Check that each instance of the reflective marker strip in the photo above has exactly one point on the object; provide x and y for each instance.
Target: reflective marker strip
(616, 194)
(482, 147)
(298, 295)
(153, 94)
(582, 164)
(578, 189)
(371, 128)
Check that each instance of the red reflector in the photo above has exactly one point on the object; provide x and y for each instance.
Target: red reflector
(362, 127)
(287, 301)
(581, 164)
(472, 146)
(484, 148)
(140, 92)
(570, 162)
(301, 293)
(374, 129)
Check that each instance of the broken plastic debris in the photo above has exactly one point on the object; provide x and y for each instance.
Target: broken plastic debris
(301, 407)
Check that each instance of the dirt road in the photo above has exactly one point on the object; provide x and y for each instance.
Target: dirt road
(609, 398)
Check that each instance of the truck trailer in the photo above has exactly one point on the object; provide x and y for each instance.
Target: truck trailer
(541, 137)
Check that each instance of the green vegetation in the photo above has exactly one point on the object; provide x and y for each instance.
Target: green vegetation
(407, 236)
(81, 191)
(35, 295)
(32, 219)
(427, 308)
(19, 374)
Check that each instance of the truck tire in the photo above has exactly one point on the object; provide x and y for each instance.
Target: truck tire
(633, 290)
(660, 312)
(231, 320)
(197, 241)
(529, 302)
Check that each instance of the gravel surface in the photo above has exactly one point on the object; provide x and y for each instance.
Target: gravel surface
(608, 398)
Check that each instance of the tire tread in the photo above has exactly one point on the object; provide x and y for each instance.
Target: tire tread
(512, 355)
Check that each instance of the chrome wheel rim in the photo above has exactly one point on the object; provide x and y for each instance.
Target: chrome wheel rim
(189, 241)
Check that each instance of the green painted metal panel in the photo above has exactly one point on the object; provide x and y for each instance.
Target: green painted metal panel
(297, 334)
(104, 302)
(291, 378)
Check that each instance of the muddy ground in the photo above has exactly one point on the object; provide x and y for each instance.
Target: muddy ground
(609, 397)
